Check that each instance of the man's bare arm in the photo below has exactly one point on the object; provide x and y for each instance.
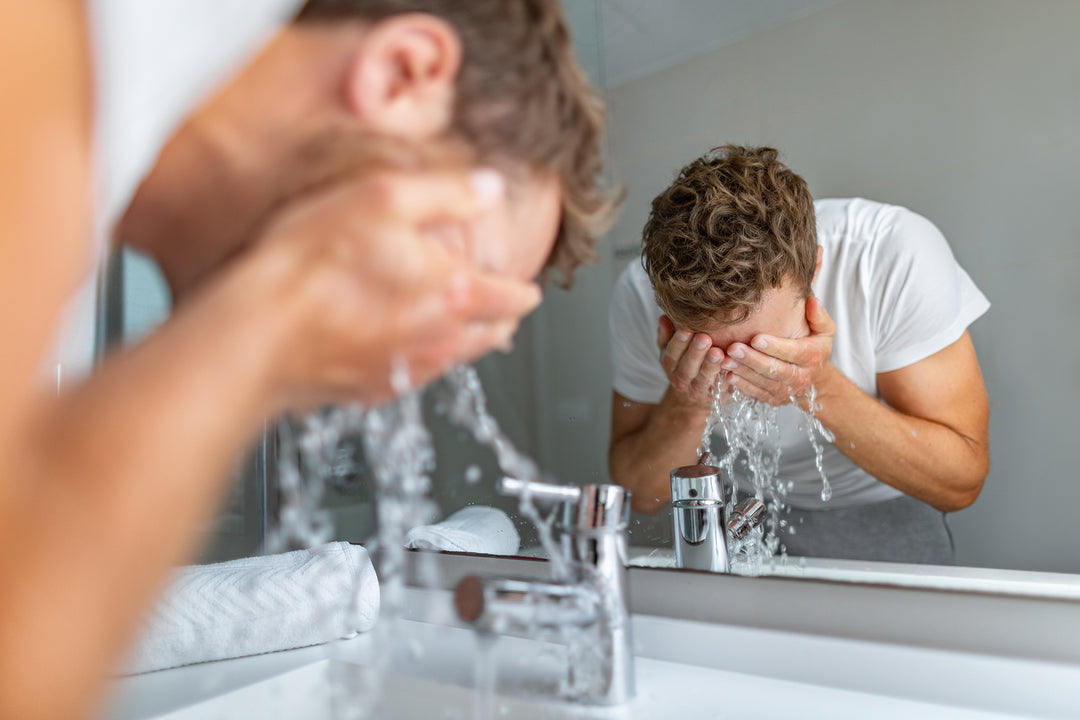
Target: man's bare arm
(107, 487)
(648, 441)
(929, 440)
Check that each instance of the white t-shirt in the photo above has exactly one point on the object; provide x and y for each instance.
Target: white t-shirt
(897, 295)
(155, 62)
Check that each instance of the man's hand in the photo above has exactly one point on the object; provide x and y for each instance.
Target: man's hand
(691, 363)
(775, 370)
(370, 303)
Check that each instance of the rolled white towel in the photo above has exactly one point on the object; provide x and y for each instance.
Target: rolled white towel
(475, 529)
(258, 605)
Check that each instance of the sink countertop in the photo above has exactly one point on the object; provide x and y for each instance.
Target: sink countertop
(682, 667)
(942, 577)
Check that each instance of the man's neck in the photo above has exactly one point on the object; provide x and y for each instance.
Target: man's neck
(232, 162)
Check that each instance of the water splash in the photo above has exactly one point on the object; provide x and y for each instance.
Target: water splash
(751, 433)
(814, 431)
(399, 452)
(466, 406)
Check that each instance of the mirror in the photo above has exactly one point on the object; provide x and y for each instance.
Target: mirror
(965, 111)
(962, 110)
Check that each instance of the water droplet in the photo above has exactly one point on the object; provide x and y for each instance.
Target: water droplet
(473, 474)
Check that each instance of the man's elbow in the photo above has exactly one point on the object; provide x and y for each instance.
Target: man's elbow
(640, 500)
(967, 491)
(623, 472)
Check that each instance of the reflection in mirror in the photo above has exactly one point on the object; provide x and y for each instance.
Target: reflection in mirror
(963, 111)
(932, 106)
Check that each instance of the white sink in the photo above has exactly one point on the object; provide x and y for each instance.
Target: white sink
(684, 669)
(666, 690)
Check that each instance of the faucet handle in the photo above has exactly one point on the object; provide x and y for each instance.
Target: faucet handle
(544, 493)
(698, 481)
(587, 506)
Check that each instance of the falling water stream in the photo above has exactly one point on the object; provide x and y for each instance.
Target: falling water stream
(400, 453)
(752, 436)
(399, 450)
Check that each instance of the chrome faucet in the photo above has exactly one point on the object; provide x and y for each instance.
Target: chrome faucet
(592, 595)
(699, 516)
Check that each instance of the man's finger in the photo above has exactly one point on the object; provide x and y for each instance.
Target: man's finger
(480, 296)
(821, 323)
(690, 364)
(440, 195)
(798, 352)
(761, 369)
(481, 338)
(710, 370)
(747, 388)
(672, 353)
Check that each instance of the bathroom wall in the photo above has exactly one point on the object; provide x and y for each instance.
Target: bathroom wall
(967, 111)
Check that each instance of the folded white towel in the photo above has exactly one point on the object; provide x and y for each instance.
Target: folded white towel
(475, 529)
(261, 604)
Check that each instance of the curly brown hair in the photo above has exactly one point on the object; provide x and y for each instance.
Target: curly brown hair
(520, 98)
(735, 223)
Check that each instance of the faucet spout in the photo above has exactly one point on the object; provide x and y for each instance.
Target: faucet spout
(702, 529)
(594, 597)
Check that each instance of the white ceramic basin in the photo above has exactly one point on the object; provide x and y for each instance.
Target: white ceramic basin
(684, 669)
(668, 690)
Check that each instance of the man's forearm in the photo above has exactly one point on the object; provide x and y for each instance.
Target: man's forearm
(643, 460)
(116, 480)
(924, 459)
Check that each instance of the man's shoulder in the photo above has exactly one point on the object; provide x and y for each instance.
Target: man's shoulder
(857, 210)
(859, 220)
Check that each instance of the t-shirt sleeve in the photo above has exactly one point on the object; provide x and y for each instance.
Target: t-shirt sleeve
(632, 318)
(924, 299)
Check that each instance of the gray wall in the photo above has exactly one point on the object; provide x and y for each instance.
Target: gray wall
(967, 111)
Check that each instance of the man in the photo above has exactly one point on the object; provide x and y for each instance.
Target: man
(377, 189)
(738, 267)
(311, 104)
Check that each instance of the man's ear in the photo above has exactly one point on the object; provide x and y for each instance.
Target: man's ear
(817, 265)
(401, 79)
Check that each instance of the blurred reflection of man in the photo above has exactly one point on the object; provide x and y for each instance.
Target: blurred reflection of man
(380, 181)
(738, 267)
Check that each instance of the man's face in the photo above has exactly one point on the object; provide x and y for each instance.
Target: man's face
(782, 314)
(514, 237)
